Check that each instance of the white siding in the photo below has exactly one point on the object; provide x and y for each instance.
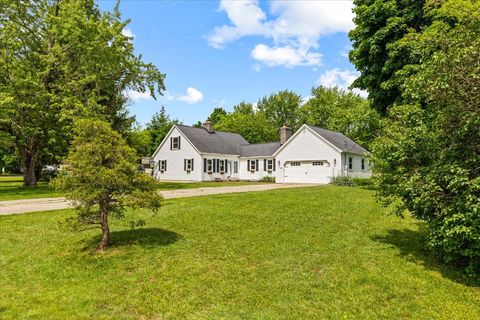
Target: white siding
(306, 146)
(246, 174)
(227, 175)
(356, 171)
(175, 160)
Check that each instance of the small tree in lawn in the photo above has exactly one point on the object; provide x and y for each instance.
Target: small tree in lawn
(101, 179)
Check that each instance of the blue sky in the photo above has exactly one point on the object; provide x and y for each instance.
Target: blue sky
(218, 53)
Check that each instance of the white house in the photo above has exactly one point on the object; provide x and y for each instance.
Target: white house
(311, 155)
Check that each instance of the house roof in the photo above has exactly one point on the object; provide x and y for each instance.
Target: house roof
(213, 142)
(259, 149)
(339, 140)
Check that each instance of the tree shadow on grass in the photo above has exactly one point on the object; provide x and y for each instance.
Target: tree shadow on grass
(145, 237)
(410, 244)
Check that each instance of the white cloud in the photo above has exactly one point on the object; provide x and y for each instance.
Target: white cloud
(192, 95)
(340, 78)
(247, 18)
(128, 33)
(295, 28)
(286, 56)
(137, 95)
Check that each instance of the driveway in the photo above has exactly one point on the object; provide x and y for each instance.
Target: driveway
(32, 205)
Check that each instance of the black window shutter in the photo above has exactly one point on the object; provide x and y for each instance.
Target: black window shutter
(165, 165)
(248, 165)
(204, 164)
(273, 164)
(218, 165)
(264, 164)
(179, 138)
(256, 165)
(171, 143)
(214, 165)
(184, 164)
(192, 165)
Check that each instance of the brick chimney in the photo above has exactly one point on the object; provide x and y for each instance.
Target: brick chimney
(208, 125)
(285, 134)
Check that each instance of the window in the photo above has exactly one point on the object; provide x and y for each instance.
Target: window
(363, 164)
(175, 143)
(295, 164)
(270, 165)
(334, 162)
(317, 163)
(252, 165)
(188, 165)
(350, 163)
(235, 167)
(163, 165)
(209, 165)
(221, 166)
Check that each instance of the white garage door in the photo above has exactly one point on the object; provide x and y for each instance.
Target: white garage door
(307, 172)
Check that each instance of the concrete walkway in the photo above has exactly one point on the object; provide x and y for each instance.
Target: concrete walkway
(32, 205)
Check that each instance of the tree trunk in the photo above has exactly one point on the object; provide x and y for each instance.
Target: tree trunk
(105, 230)
(28, 156)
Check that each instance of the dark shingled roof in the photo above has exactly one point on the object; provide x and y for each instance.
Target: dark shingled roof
(338, 140)
(215, 142)
(259, 149)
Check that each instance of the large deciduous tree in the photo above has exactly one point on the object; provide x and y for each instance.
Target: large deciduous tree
(60, 60)
(427, 159)
(255, 127)
(217, 114)
(101, 178)
(344, 111)
(376, 53)
(281, 109)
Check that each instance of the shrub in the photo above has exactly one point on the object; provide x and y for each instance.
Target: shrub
(363, 182)
(267, 179)
(342, 181)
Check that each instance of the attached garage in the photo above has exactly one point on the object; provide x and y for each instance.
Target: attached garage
(318, 171)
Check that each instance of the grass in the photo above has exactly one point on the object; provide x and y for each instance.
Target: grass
(312, 253)
(11, 188)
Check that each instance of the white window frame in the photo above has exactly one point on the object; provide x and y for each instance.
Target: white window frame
(221, 166)
(176, 141)
(253, 164)
(188, 164)
(270, 165)
(350, 163)
(209, 165)
(295, 164)
(235, 167)
(317, 163)
(363, 165)
(163, 166)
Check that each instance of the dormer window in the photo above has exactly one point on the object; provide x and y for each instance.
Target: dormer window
(175, 143)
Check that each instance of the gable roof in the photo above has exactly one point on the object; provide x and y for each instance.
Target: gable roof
(259, 149)
(339, 140)
(213, 142)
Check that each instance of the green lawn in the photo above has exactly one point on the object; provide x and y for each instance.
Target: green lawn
(11, 188)
(310, 253)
